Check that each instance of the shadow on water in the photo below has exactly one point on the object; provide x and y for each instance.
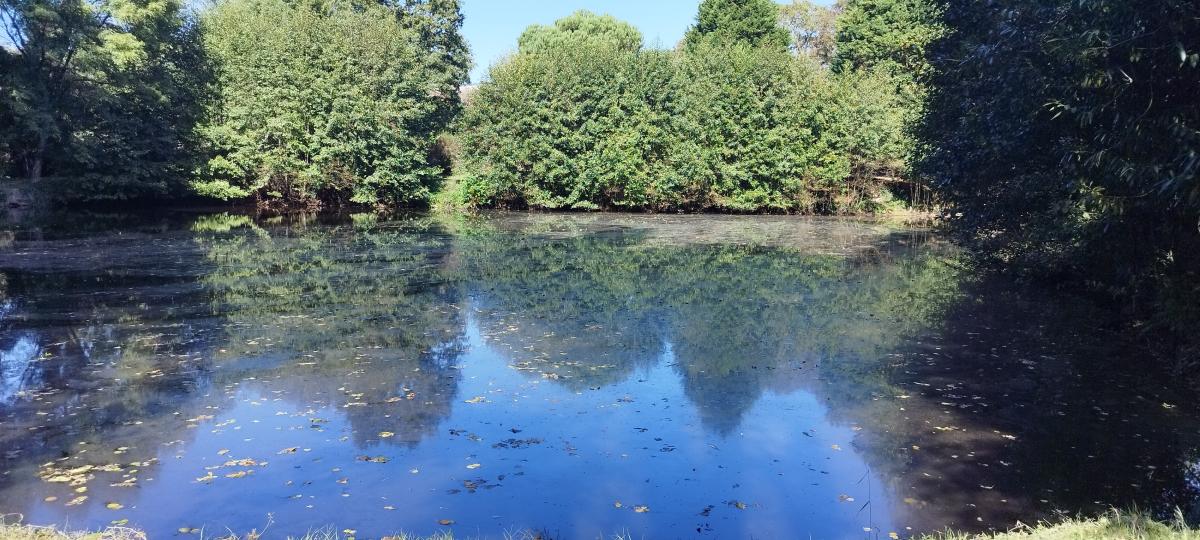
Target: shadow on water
(735, 375)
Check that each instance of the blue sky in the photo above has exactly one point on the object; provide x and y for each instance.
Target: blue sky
(492, 26)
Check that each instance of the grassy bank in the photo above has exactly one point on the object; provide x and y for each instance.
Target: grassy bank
(1114, 525)
(1111, 526)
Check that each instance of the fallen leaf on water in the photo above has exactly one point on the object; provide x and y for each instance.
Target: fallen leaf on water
(77, 500)
(835, 447)
(476, 399)
(222, 451)
(641, 509)
(893, 536)
(617, 504)
(845, 498)
(114, 506)
(446, 522)
(738, 504)
(291, 450)
(50, 499)
(386, 434)
(474, 466)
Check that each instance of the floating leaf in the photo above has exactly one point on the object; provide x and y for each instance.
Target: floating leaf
(446, 522)
(114, 506)
(641, 509)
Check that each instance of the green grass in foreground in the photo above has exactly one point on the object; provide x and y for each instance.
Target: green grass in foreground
(1113, 525)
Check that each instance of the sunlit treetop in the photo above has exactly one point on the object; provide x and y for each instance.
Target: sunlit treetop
(581, 27)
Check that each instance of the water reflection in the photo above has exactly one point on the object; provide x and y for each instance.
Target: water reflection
(736, 376)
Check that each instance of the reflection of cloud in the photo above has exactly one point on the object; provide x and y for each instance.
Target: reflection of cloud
(17, 369)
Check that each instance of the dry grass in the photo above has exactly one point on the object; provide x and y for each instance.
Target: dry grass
(17, 531)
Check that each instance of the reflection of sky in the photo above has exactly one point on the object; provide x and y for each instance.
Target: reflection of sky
(16, 359)
(639, 441)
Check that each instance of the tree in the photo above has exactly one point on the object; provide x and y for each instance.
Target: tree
(886, 34)
(755, 22)
(437, 24)
(580, 26)
(1065, 137)
(330, 104)
(813, 28)
(103, 94)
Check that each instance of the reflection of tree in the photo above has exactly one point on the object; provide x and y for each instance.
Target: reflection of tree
(129, 333)
(108, 355)
(1013, 409)
(355, 315)
(556, 310)
(585, 309)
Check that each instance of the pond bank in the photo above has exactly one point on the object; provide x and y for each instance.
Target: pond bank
(1114, 525)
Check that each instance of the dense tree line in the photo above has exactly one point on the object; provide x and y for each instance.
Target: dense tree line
(1064, 137)
(732, 119)
(342, 101)
(104, 93)
(299, 102)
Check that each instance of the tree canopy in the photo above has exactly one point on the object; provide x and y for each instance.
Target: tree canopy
(580, 26)
(1064, 139)
(755, 22)
(325, 104)
(101, 97)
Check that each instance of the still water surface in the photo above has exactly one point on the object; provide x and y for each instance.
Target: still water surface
(587, 375)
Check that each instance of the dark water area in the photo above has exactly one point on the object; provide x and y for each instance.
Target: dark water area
(586, 375)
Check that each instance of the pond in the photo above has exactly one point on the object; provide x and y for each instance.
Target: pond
(584, 375)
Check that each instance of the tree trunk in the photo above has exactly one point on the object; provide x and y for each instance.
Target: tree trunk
(35, 162)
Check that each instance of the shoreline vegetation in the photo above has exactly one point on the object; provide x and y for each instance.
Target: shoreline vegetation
(1113, 525)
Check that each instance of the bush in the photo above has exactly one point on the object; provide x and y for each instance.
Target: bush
(322, 105)
(728, 127)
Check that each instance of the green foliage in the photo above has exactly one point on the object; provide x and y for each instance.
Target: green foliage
(753, 22)
(330, 103)
(879, 67)
(754, 128)
(732, 122)
(886, 34)
(1065, 136)
(727, 127)
(1112, 525)
(576, 126)
(581, 26)
(101, 97)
